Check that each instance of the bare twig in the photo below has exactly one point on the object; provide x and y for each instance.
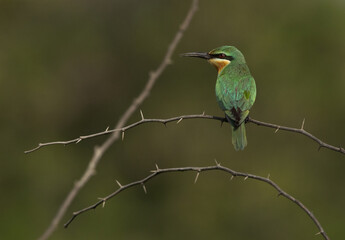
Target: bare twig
(201, 116)
(233, 173)
(99, 151)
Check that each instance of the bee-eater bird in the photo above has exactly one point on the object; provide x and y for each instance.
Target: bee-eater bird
(235, 88)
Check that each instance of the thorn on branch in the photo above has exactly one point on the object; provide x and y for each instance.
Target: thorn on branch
(302, 127)
(103, 201)
(143, 185)
(118, 183)
(218, 164)
(277, 129)
(342, 149)
(179, 120)
(123, 135)
(78, 141)
(106, 130)
(268, 176)
(196, 177)
(232, 177)
(245, 178)
(279, 194)
(157, 168)
(142, 115)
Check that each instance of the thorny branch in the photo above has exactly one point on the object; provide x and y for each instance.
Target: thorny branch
(99, 151)
(233, 173)
(178, 119)
(301, 130)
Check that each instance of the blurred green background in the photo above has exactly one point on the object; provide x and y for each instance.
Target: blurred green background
(70, 68)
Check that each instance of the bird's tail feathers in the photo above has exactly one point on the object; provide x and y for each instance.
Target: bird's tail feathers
(239, 139)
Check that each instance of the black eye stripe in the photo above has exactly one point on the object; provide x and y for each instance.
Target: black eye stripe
(222, 56)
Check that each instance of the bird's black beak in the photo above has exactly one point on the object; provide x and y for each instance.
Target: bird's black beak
(197, 54)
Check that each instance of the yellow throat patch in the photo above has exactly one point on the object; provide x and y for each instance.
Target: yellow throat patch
(219, 63)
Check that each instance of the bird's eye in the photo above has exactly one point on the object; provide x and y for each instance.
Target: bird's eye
(221, 55)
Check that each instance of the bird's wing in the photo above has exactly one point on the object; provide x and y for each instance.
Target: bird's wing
(246, 93)
(238, 97)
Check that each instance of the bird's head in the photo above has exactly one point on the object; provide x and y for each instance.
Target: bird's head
(220, 57)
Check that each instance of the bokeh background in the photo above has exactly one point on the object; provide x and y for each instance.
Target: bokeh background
(70, 68)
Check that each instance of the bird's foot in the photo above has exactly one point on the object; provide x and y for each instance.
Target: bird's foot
(246, 120)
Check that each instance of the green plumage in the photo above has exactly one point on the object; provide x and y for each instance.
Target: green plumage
(235, 88)
(236, 93)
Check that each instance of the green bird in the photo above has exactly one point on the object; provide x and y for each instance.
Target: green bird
(235, 88)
